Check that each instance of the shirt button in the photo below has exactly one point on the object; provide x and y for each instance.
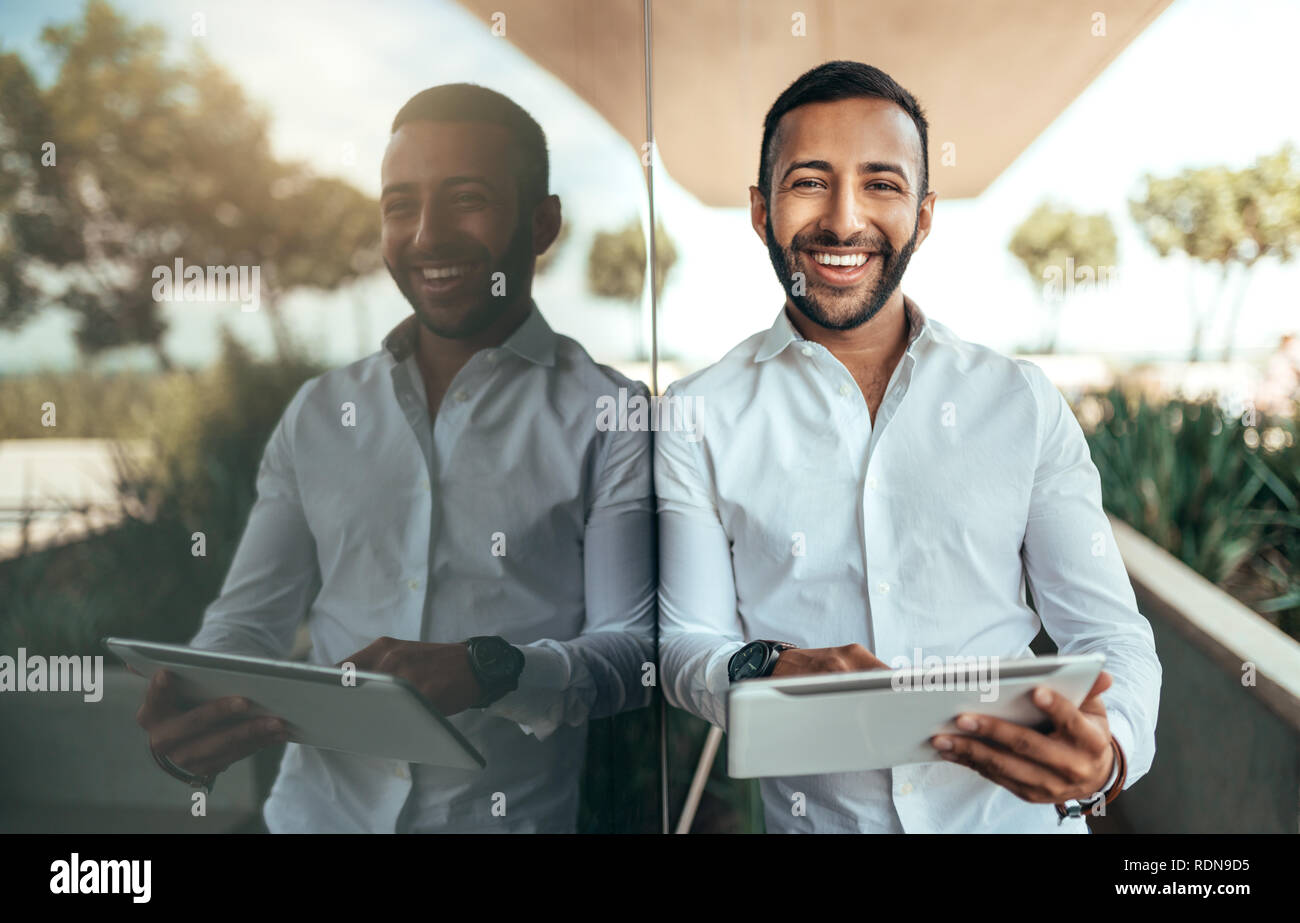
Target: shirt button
(401, 771)
(905, 788)
(882, 586)
(807, 350)
(846, 389)
(425, 485)
(414, 584)
(871, 482)
(490, 359)
(462, 395)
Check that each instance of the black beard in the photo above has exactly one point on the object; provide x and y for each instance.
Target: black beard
(515, 264)
(895, 264)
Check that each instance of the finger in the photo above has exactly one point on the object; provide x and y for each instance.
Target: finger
(862, 659)
(1068, 720)
(369, 656)
(1092, 703)
(1029, 780)
(1024, 742)
(203, 719)
(214, 752)
(161, 701)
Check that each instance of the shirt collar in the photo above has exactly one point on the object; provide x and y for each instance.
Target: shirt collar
(782, 333)
(533, 340)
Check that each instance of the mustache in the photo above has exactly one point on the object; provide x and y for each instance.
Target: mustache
(856, 242)
(445, 254)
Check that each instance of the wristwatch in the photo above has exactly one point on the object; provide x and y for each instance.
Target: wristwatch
(1079, 808)
(755, 659)
(193, 780)
(496, 664)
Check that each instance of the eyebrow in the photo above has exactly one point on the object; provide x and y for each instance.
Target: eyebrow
(397, 188)
(867, 166)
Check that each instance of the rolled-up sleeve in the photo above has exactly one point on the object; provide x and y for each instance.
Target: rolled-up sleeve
(1079, 583)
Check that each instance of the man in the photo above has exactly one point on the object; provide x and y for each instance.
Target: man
(864, 485)
(446, 510)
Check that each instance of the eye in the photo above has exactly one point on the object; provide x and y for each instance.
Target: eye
(394, 206)
(881, 183)
(468, 198)
(801, 182)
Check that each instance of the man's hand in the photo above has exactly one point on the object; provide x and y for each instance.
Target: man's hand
(1073, 761)
(207, 738)
(802, 660)
(441, 672)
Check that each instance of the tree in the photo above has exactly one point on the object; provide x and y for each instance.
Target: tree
(616, 262)
(617, 259)
(1227, 221)
(1064, 253)
(127, 163)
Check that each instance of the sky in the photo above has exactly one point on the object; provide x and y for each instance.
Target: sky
(1208, 82)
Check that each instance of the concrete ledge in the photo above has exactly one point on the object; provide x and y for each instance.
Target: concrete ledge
(1228, 632)
(1227, 754)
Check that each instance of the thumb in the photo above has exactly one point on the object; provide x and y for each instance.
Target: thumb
(1092, 703)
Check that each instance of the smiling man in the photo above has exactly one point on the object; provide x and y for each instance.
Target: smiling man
(865, 484)
(445, 510)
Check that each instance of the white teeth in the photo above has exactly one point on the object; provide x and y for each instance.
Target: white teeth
(447, 272)
(833, 259)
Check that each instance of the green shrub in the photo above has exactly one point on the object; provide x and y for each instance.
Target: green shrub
(140, 578)
(1217, 493)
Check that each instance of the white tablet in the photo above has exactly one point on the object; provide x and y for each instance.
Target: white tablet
(875, 719)
(381, 715)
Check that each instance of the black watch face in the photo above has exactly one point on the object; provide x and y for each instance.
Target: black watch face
(494, 658)
(751, 660)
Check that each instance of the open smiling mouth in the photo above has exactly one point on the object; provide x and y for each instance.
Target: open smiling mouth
(842, 267)
(445, 277)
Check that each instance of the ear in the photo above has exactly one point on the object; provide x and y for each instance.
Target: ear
(924, 217)
(546, 223)
(758, 213)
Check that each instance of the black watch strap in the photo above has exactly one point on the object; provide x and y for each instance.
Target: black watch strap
(756, 659)
(496, 664)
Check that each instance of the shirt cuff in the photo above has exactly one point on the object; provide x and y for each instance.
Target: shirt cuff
(717, 678)
(1114, 773)
(1123, 734)
(537, 704)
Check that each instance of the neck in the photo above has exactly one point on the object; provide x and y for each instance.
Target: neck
(870, 345)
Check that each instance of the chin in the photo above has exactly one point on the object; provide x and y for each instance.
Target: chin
(457, 321)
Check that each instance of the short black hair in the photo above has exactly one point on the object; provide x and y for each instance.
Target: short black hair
(469, 102)
(837, 80)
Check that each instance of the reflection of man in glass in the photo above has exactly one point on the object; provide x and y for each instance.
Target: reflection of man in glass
(446, 510)
(868, 485)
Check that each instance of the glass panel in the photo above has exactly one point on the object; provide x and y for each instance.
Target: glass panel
(302, 362)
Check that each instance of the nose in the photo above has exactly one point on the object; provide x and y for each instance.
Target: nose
(433, 228)
(843, 216)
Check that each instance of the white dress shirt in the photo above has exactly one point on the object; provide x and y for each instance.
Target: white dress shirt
(511, 515)
(787, 515)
